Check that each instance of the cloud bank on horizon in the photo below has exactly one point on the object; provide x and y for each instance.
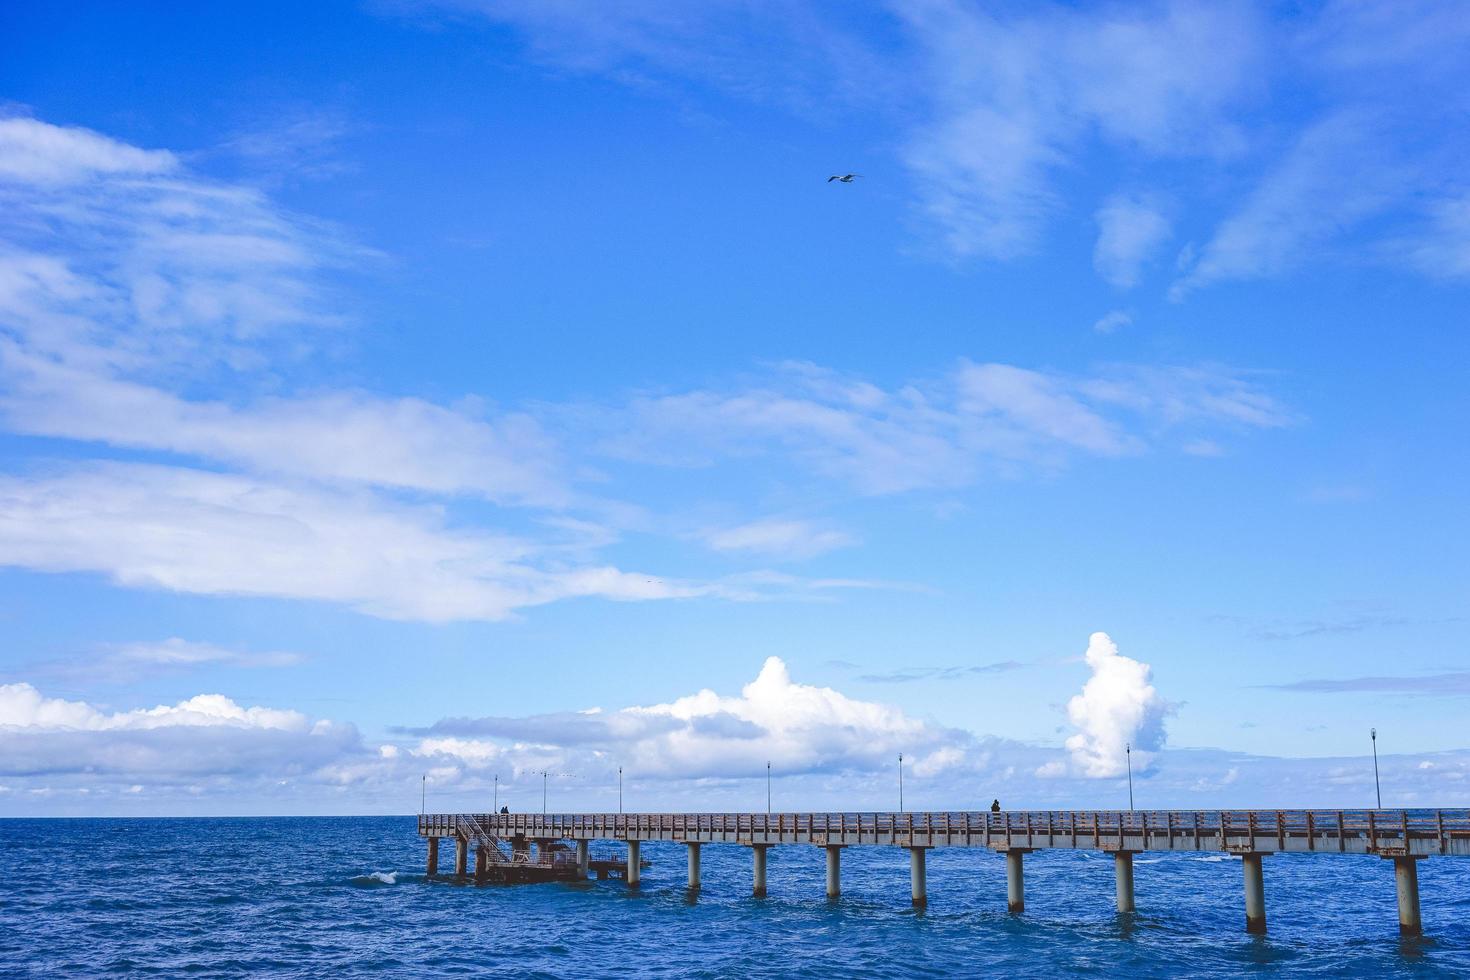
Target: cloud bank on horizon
(826, 749)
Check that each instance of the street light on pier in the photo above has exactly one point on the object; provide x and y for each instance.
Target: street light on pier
(768, 787)
(620, 790)
(1128, 754)
(495, 806)
(900, 782)
(1377, 791)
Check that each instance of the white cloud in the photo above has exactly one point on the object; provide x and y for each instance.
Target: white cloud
(790, 539)
(1130, 231)
(345, 437)
(1112, 321)
(1117, 707)
(22, 706)
(176, 652)
(979, 419)
(35, 152)
(218, 534)
(802, 729)
(1016, 97)
(1336, 175)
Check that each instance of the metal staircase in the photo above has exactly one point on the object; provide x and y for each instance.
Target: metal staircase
(472, 829)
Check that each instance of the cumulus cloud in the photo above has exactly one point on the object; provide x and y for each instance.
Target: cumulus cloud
(1118, 706)
(22, 706)
(803, 729)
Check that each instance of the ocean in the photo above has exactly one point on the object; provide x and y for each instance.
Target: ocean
(347, 897)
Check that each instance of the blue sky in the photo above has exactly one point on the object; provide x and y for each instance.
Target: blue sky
(384, 387)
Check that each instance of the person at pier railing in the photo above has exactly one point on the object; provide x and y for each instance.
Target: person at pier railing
(995, 806)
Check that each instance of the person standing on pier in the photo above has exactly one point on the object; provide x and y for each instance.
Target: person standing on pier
(995, 806)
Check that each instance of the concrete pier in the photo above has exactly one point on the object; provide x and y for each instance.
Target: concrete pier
(1123, 870)
(1406, 883)
(1403, 836)
(693, 847)
(1255, 893)
(918, 879)
(834, 871)
(1015, 882)
(482, 863)
(758, 852)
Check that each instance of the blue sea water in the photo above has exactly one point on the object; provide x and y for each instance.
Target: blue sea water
(346, 897)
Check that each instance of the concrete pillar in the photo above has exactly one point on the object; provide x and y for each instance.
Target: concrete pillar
(633, 859)
(759, 852)
(482, 863)
(693, 847)
(433, 857)
(1123, 868)
(917, 878)
(461, 856)
(582, 858)
(1015, 882)
(834, 871)
(1255, 893)
(1406, 882)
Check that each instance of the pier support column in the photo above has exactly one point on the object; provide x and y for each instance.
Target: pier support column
(918, 880)
(834, 871)
(1015, 882)
(461, 857)
(582, 858)
(1255, 893)
(633, 859)
(693, 865)
(1123, 868)
(482, 863)
(433, 870)
(1406, 882)
(759, 852)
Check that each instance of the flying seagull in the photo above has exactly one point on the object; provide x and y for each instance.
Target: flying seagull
(844, 178)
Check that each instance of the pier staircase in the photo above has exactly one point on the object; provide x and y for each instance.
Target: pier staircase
(473, 829)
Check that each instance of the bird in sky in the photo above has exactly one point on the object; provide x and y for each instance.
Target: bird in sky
(844, 178)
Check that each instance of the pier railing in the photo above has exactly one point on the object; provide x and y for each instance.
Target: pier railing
(1388, 832)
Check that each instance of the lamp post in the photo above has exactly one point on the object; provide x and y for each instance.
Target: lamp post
(423, 792)
(620, 790)
(1377, 790)
(900, 782)
(543, 792)
(1128, 754)
(768, 787)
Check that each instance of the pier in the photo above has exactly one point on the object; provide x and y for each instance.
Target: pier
(1403, 837)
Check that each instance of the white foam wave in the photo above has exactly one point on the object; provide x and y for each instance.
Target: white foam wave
(377, 878)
